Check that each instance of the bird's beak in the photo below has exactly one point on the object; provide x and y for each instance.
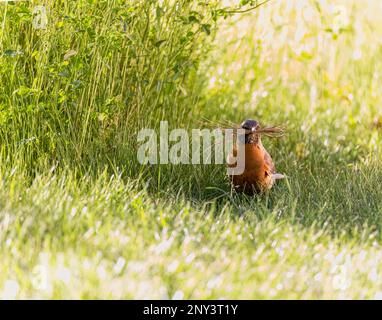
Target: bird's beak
(253, 129)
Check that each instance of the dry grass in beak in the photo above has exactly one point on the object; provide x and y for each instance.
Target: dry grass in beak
(272, 132)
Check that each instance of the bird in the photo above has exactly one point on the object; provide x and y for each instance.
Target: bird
(259, 173)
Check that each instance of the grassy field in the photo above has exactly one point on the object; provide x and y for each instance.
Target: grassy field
(81, 218)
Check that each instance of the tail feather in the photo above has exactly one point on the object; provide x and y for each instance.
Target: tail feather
(278, 176)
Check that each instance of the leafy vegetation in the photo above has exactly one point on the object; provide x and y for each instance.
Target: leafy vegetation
(80, 218)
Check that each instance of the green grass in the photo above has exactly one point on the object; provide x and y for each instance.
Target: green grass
(80, 218)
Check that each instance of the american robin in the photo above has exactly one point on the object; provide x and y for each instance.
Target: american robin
(259, 171)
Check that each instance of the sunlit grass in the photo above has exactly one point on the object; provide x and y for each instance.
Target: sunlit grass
(103, 239)
(80, 219)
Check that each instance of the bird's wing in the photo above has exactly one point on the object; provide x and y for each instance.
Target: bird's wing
(269, 162)
(272, 168)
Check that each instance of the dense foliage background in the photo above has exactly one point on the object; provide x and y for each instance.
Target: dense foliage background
(80, 218)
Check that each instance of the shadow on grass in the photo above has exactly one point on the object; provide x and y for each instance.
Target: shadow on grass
(331, 191)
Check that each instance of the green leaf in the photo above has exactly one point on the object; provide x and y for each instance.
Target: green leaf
(206, 28)
(193, 19)
(23, 91)
(158, 43)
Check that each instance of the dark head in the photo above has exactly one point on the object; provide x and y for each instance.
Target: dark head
(251, 126)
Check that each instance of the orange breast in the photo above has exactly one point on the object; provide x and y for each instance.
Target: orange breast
(257, 173)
